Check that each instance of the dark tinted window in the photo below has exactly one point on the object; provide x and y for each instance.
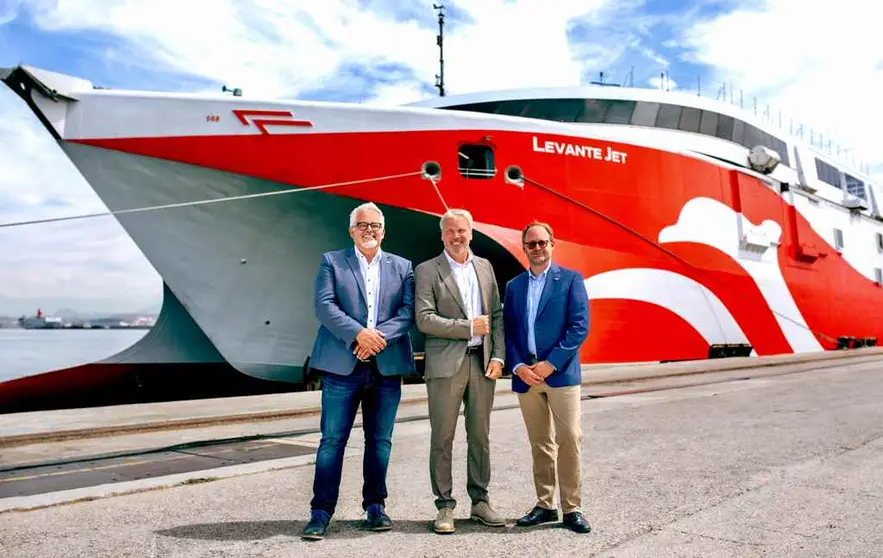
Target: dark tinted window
(690, 118)
(511, 108)
(751, 137)
(645, 114)
(619, 112)
(562, 110)
(708, 125)
(669, 116)
(476, 161)
(738, 131)
(490, 107)
(593, 111)
(827, 173)
(725, 127)
(855, 186)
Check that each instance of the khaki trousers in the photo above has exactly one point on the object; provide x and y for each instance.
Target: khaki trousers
(552, 418)
(445, 397)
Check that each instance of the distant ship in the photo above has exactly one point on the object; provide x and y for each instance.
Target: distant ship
(39, 321)
(701, 230)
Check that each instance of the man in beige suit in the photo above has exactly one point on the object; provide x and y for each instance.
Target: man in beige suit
(457, 305)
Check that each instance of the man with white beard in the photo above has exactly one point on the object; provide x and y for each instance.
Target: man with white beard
(365, 304)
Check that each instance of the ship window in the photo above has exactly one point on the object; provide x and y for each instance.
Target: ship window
(690, 118)
(645, 114)
(838, 240)
(751, 137)
(561, 110)
(855, 186)
(725, 127)
(593, 111)
(489, 107)
(827, 173)
(708, 125)
(511, 107)
(476, 161)
(619, 112)
(738, 131)
(878, 275)
(880, 242)
(668, 117)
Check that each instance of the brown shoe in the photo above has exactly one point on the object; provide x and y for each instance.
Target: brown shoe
(485, 513)
(444, 522)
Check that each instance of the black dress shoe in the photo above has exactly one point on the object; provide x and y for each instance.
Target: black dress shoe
(576, 522)
(317, 527)
(536, 516)
(377, 518)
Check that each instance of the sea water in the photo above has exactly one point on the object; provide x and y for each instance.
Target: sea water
(24, 352)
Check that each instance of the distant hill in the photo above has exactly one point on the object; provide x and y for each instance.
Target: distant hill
(75, 308)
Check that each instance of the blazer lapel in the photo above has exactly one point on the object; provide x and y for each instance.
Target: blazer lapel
(357, 271)
(484, 285)
(447, 276)
(384, 275)
(520, 301)
(553, 283)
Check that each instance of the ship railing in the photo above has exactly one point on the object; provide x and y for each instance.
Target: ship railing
(762, 111)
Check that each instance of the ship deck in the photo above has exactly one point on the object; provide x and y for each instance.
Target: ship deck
(732, 457)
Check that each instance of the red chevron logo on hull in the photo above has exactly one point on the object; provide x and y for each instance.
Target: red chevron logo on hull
(264, 118)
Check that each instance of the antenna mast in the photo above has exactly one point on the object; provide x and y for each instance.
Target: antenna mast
(440, 77)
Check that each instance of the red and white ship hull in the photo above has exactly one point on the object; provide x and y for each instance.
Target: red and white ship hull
(680, 251)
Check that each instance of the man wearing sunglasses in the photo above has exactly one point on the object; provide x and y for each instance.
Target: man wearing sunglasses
(458, 307)
(546, 320)
(364, 302)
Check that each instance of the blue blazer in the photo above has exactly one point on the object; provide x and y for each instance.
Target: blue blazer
(561, 326)
(342, 310)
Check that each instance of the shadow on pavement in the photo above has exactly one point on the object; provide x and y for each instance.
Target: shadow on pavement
(343, 529)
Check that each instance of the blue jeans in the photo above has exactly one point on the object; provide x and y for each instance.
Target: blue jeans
(341, 396)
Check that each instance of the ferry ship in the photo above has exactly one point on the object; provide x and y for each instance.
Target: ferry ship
(701, 230)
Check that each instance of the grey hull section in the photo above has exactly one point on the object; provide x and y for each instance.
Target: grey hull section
(174, 339)
(244, 270)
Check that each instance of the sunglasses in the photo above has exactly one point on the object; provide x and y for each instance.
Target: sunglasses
(363, 226)
(536, 244)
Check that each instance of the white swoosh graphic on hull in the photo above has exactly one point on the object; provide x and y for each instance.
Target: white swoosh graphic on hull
(692, 301)
(709, 222)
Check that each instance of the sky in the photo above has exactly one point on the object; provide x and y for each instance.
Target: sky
(818, 62)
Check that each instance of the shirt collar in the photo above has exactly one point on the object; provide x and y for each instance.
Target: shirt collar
(362, 257)
(542, 274)
(454, 264)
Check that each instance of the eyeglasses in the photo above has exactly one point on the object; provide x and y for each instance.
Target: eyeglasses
(531, 244)
(363, 226)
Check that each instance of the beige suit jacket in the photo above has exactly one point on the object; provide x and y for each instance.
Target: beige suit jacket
(440, 314)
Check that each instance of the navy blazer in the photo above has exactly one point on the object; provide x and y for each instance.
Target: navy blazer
(561, 326)
(342, 309)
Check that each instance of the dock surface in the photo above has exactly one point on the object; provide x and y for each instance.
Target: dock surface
(780, 458)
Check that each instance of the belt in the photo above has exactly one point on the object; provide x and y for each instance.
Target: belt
(531, 359)
(475, 350)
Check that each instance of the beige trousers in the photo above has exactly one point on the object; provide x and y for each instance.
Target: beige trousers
(552, 418)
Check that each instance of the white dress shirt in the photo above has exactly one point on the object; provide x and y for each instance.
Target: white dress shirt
(467, 282)
(371, 278)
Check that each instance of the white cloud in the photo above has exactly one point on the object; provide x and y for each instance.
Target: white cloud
(820, 64)
(89, 264)
(663, 82)
(8, 10)
(268, 48)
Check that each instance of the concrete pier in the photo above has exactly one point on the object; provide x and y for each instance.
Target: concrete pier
(780, 458)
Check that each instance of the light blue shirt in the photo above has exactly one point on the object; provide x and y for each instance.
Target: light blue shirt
(535, 287)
